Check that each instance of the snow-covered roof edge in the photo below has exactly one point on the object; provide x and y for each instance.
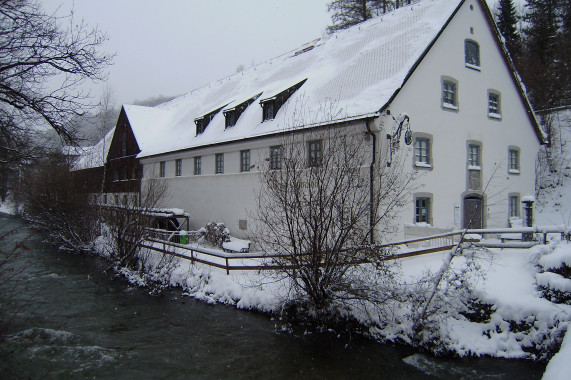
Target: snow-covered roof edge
(540, 133)
(272, 133)
(421, 57)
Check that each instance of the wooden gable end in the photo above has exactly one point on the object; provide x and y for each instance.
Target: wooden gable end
(124, 142)
(123, 170)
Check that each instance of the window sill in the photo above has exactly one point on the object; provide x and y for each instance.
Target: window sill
(450, 106)
(496, 116)
(474, 167)
(473, 67)
(423, 165)
(513, 171)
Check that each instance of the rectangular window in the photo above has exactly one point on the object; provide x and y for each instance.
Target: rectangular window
(315, 157)
(513, 161)
(474, 155)
(245, 160)
(162, 169)
(276, 152)
(219, 163)
(449, 93)
(494, 105)
(513, 206)
(422, 210)
(268, 110)
(421, 151)
(230, 118)
(199, 126)
(197, 165)
(178, 167)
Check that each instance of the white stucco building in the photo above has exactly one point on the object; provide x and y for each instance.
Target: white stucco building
(441, 62)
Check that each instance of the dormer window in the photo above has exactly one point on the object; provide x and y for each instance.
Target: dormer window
(199, 126)
(230, 118)
(232, 114)
(472, 54)
(203, 121)
(268, 107)
(272, 105)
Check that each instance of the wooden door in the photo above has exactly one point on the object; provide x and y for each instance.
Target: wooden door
(473, 212)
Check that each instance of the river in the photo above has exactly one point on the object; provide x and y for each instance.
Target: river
(71, 319)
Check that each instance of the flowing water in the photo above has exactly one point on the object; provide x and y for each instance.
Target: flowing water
(69, 319)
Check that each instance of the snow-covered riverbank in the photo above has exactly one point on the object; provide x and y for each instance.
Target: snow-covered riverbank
(510, 319)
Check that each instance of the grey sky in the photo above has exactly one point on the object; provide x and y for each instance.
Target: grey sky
(171, 47)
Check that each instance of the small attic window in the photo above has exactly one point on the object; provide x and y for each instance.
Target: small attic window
(472, 54)
(268, 110)
(272, 105)
(233, 114)
(203, 121)
(199, 126)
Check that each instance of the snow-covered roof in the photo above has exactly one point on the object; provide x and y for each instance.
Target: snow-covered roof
(95, 155)
(349, 75)
(354, 72)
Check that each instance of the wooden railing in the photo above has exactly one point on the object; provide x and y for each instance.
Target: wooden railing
(166, 244)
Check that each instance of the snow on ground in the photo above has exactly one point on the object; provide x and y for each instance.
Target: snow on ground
(504, 278)
(559, 367)
(8, 207)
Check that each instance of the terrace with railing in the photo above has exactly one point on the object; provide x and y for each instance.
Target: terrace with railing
(171, 243)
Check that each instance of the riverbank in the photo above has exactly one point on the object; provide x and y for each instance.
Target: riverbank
(78, 320)
(507, 317)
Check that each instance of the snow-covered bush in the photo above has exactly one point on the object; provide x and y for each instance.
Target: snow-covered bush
(215, 233)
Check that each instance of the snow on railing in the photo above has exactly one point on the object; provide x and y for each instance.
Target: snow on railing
(161, 241)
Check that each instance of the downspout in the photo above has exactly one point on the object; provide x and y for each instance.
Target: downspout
(372, 182)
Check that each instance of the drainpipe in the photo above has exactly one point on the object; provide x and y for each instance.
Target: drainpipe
(372, 182)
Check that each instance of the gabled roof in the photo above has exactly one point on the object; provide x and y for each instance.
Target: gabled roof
(94, 156)
(146, 122)
(354, 72)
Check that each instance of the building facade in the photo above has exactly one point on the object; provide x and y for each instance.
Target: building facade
(440, 64)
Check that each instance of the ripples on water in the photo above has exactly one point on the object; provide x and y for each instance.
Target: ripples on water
(75, 321)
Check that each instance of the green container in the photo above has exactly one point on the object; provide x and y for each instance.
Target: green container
(183, 237)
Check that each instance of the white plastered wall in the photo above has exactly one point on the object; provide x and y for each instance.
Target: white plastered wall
(228, 197)
(420, 98)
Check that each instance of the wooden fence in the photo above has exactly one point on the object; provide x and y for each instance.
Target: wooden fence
(168, 243)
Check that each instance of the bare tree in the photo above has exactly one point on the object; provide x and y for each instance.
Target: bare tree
(346, 13)
(322, 195)
(36, 51)
(128, 222)
(53, 203)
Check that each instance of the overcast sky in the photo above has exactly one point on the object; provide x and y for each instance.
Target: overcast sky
(171, 47)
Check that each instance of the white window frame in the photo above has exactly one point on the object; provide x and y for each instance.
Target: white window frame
(449, 87)
(245, 160)
(198, 165)
(474, 157)
(314, 153)
(494, 105)
(219, 163)
(178, 167)
(420, 216)
(422, 154)
(276, 155)
(513, 160)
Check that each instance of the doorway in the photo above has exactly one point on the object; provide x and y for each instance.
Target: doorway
(473, 212)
